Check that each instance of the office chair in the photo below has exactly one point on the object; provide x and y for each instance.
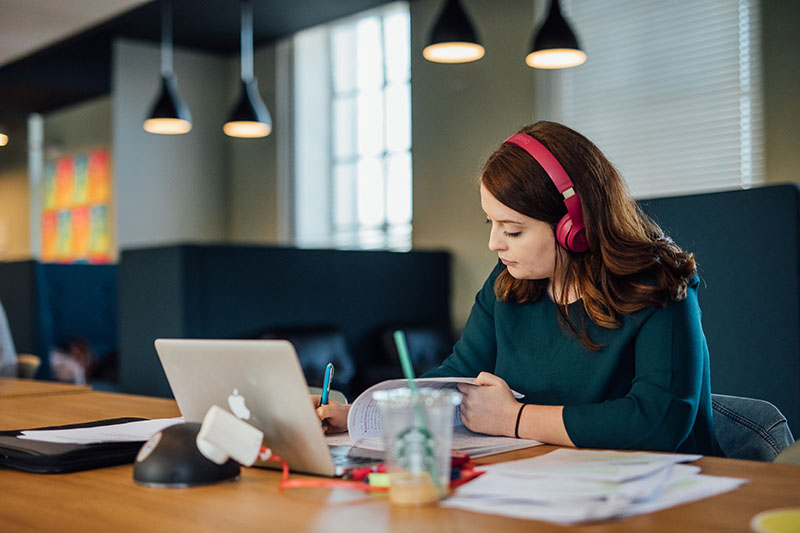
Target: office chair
(747, 428)
(790, 455)
(27, 365)
(316, 347)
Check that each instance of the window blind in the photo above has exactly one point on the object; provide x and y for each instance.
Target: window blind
(671, 91)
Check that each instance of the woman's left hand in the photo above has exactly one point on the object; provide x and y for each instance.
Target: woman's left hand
(490, 408)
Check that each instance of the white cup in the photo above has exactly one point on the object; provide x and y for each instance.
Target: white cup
(417, 434)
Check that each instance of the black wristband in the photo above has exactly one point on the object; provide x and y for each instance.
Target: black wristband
(519, 417)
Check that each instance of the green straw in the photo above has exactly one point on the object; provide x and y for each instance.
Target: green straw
(405, 359)
(408, 372)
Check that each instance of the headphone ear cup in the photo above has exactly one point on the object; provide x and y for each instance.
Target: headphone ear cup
(563, 229)
(568, 237)
(578, 242)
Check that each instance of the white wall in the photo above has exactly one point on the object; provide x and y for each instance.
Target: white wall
(14, 195)
(460, 114)
(14, 224)
(169, 188)
(78, 128)
(251, 174)
(781, 71)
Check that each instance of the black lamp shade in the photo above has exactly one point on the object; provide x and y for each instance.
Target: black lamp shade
(555, 37)
(250, 116)
(555, 32)
(453, 28)
(169, 114)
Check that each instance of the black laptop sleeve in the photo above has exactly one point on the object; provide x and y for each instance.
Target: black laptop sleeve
(55, 458)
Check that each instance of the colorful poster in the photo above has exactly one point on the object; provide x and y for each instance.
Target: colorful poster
(80, 185)
(64, 236)
(49, 236)
(65, 168)
(76, 197)
(49, 187)
(80, 233)
(99, 177)
(100, 238)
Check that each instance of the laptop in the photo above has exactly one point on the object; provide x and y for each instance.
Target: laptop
(261, 382)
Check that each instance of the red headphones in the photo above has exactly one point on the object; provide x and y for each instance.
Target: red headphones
(570, 231)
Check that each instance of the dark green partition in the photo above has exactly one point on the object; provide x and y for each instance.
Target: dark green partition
(747, 246)
(226, 291)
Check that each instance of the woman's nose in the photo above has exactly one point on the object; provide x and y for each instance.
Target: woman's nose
(496, 242)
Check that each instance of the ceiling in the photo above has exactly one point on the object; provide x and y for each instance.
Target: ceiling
(54, 53)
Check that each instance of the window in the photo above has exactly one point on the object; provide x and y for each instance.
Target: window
(352, 132)
(671, 91)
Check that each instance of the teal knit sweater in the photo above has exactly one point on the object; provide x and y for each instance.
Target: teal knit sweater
(647, 389)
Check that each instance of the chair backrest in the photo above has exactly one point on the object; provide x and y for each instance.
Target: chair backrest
(27, 365)
(428, 345)
(790, 456)
(748, 428)
(316, 347)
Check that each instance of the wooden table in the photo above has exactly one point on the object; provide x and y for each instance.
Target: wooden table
(33, 387)
(108, 500)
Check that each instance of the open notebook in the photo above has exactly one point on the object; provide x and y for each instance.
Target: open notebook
(364, 422)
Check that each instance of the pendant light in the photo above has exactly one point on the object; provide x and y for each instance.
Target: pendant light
(555, 44)
(250, 117)
(3, 136)
(453, 39)
(169, 115)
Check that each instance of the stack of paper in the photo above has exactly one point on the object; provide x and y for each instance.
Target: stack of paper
(569, 486)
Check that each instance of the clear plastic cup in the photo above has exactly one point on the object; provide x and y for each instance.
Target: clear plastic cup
(417, 435)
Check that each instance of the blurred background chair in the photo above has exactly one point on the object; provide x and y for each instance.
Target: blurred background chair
(316, 347)
(27, 365)
(748, 428)
(790, 455)
(428, 345)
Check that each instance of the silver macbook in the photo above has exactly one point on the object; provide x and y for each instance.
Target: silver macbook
(261, 382)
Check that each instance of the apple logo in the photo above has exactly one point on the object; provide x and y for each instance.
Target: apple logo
(237, 405)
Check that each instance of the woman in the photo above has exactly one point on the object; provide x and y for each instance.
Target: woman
(591, 311)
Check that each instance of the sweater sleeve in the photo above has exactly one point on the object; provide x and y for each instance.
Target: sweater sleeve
(476, 350)
(661, 406)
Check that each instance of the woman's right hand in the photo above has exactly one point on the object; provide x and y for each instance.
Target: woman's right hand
(334, 414)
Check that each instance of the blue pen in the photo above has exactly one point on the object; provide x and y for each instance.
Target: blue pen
(326, 386)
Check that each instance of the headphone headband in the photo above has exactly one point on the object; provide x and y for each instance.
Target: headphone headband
(546, 159)
(570, 230)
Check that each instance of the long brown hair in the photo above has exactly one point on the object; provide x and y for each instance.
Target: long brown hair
(631, 264)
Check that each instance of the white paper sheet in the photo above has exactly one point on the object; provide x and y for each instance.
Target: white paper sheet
(128, 432)
(561, 497)
(592, 464)
(565, 490)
